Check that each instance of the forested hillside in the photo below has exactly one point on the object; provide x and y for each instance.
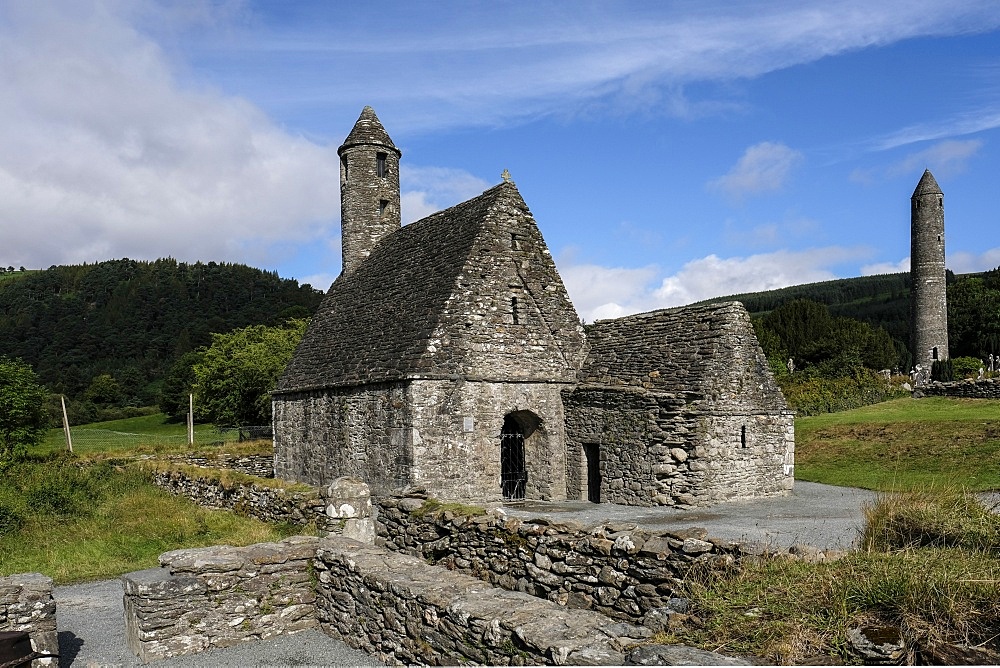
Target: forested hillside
(883, 302)
(131, 320)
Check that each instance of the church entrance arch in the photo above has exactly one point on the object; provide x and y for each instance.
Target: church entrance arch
(513, 469)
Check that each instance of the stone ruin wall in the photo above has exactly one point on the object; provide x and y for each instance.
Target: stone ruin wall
(26, 604)
(987, 388)
(218, 597)
(310, 447)
(658, 449)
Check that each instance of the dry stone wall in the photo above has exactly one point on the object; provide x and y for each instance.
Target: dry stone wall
(344, 507)
(617, 570)
(987, 388)
(219, 596)
(261, 466)
(26, 604)
(402, 610)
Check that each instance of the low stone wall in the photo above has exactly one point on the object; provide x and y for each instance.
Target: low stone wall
(261, 466)
(615, 569)
(219, 596)
(344, 507)
(987, 388)
(400, 609)
(26, 604)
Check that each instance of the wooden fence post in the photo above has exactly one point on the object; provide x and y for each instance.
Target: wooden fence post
(69, 436)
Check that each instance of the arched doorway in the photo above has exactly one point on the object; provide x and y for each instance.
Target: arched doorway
(513, 471)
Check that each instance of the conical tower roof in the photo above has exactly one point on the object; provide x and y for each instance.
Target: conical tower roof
(368, 130)
(927, 186)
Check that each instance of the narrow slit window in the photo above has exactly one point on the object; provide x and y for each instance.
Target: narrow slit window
(380, 168)
(934, 353)
(515, 241)
(513, 310)
(743, 436)
(383, 205)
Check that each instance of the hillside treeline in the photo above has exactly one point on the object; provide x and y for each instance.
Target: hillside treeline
(107, 333)
(883, 302)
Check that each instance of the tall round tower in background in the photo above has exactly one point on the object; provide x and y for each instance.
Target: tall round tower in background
(369, 189)
(928, 293)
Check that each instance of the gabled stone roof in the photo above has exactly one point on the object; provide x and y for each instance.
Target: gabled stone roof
(368, 130)
(927, 186)
(705, 352)
(425, 304)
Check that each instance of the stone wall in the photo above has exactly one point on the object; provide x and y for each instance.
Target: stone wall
(343, 507)
(361, 432)
(987, 388)
(261, 466)
(26, 604)
(662, 449)
(617, 570)
(400, 609)
(219, 596)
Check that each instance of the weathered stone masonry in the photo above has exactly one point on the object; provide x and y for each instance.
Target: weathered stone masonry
(448, 355)
(26, 604)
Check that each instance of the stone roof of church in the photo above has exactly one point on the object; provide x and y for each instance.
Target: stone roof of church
(368, 130)
(927, 186)
(705, 352)
(403, 313)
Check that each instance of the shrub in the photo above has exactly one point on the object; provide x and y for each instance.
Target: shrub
(11, 521)
(943, 371)
(966, 367)
(812, 395)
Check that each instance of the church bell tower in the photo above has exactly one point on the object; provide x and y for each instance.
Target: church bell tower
(369, 189)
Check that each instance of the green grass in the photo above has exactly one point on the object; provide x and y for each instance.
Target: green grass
(76, 523)
(918, 572)
(903, 444)
(140, 435)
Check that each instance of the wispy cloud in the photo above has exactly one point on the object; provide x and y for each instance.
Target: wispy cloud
(489, 65)
(763, 167)
(426, 190)
(944, 158)
(965, 123)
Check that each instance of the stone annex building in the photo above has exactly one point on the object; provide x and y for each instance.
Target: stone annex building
(448, 355)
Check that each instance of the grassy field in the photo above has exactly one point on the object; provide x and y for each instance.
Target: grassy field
(903, 444)
(141, 435)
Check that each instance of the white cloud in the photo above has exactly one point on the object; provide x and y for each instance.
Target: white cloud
(763, 167)
(602, 292)
(942, 158)
(426, 190)
(104, 154)
(886, 267)
(964, 263)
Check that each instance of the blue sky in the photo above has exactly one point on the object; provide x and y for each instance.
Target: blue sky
(670, 152)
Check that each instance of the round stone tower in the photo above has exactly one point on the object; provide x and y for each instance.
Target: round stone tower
(928, 294)
(369, 189)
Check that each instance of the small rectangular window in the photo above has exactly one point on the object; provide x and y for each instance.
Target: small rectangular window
(513, 310)
(743, 436)
(515, 241)
(380, 168)
(383, 204)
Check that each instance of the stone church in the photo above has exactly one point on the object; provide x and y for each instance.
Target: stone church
(448, 355)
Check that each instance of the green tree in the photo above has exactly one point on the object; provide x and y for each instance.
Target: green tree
(178, 384)
(237, 373)
(23, 417)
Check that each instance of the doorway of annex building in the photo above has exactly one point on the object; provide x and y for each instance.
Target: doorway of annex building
(592, 472)
(513, 469)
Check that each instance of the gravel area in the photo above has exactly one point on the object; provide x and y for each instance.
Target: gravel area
(91, 626)
(823, 516)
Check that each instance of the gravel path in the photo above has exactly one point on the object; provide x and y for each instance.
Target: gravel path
(91, 626)
(92, 630)
(823, 516)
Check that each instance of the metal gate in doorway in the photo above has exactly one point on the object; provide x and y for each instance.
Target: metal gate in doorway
(513, 472)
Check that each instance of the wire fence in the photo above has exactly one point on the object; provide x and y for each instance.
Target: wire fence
(87, 438)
